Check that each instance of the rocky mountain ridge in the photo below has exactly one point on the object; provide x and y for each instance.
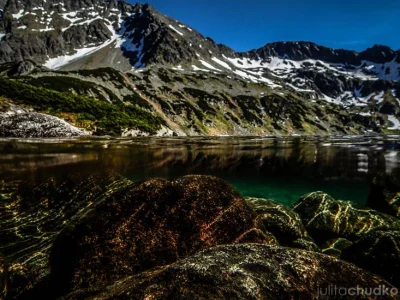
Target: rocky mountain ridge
(165, 60)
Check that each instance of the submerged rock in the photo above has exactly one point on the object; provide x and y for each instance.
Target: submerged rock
(335, 247)
(283, 223)
(150, 224)
(326, 218)
(246, 271)
(379, 253)
(104, 236)
(36, 125)
(3, 277)
(385, 195)
(31, 217)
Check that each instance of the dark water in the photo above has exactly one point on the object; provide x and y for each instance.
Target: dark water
(282, 169)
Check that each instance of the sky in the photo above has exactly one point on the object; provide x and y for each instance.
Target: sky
(248, 24)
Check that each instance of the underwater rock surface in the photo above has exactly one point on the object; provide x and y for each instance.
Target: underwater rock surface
(335, 247)
(385, 195)
(3, 277)
(31, 216)
(378, 252)
(283, 223)
(150, 224)
(246, 271)
(101, 235)
(326, 218)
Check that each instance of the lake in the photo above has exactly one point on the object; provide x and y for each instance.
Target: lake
(278, 168)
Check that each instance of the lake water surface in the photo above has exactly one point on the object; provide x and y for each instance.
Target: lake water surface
(282, 169)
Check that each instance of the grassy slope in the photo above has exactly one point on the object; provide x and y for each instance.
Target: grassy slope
(107, 118)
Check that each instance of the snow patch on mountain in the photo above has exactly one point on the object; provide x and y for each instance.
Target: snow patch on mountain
(176, 30)
(395, 122)
(121, 37)
(349, 98)
(283, 67)
(209, 66)
(19, 14)
(196, 68)
(245, 75)
(178, 68)
(380, 97)
(386, 71)
(58, 62)
(394, 95)
(222, 63)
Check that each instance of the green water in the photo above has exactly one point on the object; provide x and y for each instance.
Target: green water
(289, 191)
(282, 169)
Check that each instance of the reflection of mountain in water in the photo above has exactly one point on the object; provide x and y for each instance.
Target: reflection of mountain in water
(23, 163)
(143, 158)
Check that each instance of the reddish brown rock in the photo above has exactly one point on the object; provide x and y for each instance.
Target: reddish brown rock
(148, 225)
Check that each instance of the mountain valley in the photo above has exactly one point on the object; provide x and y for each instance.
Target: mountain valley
(127, 58)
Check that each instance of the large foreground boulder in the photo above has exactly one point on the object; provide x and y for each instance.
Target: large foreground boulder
(284, 223)
(247, 271)
(148, 225)
(378, 252)
(326, 218)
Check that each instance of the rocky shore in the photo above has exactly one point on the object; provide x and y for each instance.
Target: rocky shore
(105, 237)
(19, 122)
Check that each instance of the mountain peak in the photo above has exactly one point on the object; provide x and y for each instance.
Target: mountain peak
(57, 33)
(303, 50)
(378, 53)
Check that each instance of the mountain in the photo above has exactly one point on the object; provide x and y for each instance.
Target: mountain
(133, 55)
(117, 34)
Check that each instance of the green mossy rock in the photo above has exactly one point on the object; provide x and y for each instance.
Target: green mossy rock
(335, 247)
(283, 223)
(326, 218)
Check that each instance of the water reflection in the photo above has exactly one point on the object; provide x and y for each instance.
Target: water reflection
(255, 166)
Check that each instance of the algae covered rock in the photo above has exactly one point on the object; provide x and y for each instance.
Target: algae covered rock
(150, 224)
(283, 223)
(335, 247)
(243, 271)
(195, 237)
(3, 277)
(326, 218)
(379, 253)
(33, 214)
